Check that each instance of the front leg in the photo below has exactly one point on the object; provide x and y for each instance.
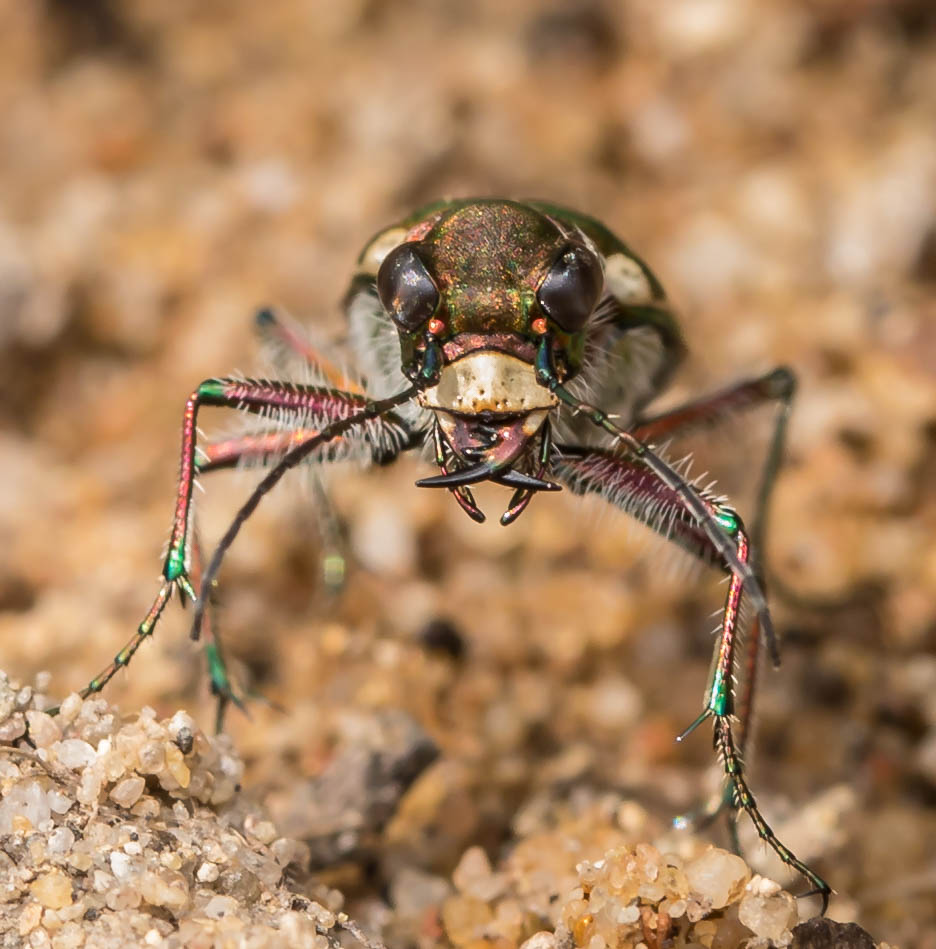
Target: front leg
(174, 572)
(310, 409)
(629, 483)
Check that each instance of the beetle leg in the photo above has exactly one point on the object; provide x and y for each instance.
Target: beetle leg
(631, 484)
(326, 407)
(720, 706)
(779, 385)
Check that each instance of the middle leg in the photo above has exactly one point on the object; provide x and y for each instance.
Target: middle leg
(777, 386)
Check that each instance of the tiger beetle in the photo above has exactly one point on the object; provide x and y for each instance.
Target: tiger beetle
(516, 342)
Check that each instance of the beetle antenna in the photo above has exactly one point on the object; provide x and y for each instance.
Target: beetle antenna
(371, 411)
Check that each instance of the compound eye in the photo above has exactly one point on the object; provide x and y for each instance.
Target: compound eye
(570, 290)
(405, 288)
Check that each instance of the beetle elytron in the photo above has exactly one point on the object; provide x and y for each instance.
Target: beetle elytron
(479, 327)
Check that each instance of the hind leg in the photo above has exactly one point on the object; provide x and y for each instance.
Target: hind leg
(287, 343)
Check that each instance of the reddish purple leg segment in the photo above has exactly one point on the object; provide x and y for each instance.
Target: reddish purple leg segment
(305, 403)
(776, 386)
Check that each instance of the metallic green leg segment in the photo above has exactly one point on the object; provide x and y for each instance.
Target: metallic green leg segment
(220, 683)
(723, 803)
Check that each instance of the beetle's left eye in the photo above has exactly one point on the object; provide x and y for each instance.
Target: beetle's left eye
(405, 288)
(570, 290)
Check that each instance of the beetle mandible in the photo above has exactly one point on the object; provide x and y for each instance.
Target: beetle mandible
(478, 327)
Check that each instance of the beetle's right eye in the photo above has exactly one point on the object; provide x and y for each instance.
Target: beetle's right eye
(405, 288)
(571, 289)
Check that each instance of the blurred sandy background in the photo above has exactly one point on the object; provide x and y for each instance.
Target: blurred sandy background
(166, 167)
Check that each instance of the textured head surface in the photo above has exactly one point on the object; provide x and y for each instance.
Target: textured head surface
(488, 258)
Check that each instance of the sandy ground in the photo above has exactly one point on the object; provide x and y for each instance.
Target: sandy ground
(165, 168)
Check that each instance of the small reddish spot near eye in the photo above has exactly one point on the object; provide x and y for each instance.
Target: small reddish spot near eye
(435, 326)
(538, 326)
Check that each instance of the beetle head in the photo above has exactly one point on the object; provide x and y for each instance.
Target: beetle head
(486, 281)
